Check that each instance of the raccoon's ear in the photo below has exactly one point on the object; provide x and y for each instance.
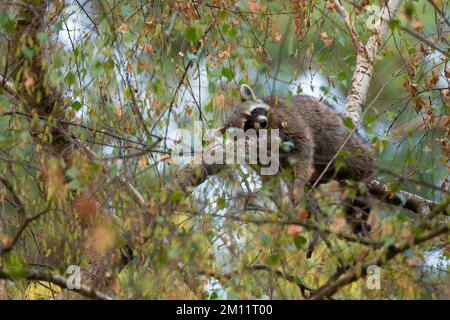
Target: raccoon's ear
(247, 93)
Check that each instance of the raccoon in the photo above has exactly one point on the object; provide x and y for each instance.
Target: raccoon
(316, 133)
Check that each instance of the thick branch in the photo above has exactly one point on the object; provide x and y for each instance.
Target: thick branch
(194, 174)
(33, 275)
(403, 199)
(191, 176)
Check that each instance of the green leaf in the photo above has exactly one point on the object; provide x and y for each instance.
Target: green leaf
(325, 89)
(370, 119)
(222, 14)
(114, 171)
(410, 9)
(265, 239)
(97, 68)
(227, 73)
(126, 10)
(172, 253)
(72, 172)
(76, 105)
(109, 66)
(6, 23)
(192, 34)
(27, 52)
(70, 78)
(287, 146)
(41, 36)
(299, 241)
(348, 123)
(74, 185)
(342, 76)
(394, 24)
(214, 296)
(389, 242)
(342, 154)
(221, 203)
(177, 196)
(226, 27)
(273, 260)
(4, 103)
(390, 116)
(58, 59)
(212, 87)
(299, 280)
(338, 164)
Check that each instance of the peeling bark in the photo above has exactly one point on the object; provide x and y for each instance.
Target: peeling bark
(364, 63)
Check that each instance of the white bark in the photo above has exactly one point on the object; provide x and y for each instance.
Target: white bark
(7, 86)
(364, 63)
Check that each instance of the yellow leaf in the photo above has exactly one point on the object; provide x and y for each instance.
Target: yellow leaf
(42, 290)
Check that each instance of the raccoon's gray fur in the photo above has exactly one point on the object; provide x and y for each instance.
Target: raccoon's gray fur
(316, 132)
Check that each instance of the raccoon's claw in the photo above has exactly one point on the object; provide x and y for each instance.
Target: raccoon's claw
(297, 195)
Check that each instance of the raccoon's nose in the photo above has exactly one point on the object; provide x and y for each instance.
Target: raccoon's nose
(263, 123)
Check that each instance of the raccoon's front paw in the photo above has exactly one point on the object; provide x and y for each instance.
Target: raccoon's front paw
(297, 195)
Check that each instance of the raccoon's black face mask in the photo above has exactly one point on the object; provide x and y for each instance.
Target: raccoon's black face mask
(257, 119)
(249, 113)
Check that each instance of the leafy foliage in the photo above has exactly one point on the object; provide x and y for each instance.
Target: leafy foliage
(124, 75)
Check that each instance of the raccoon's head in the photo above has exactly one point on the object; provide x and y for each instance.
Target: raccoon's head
(249, 113)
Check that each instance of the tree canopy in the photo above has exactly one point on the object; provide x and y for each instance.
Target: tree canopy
(92, 97)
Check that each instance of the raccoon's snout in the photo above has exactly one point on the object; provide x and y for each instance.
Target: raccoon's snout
(263, 123)
(259, 122)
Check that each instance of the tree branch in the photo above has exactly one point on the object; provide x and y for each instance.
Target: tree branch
(34, 275)
(44, 99)
(194, 174)
(351, 28)
(18, 201)
(439, 10)
(358, 271)
(424, 40)
(262, 267)
(8, 247)
(403, 199)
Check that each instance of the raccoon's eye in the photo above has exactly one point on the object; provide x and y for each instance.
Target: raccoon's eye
(259, 112)
(248, 125)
